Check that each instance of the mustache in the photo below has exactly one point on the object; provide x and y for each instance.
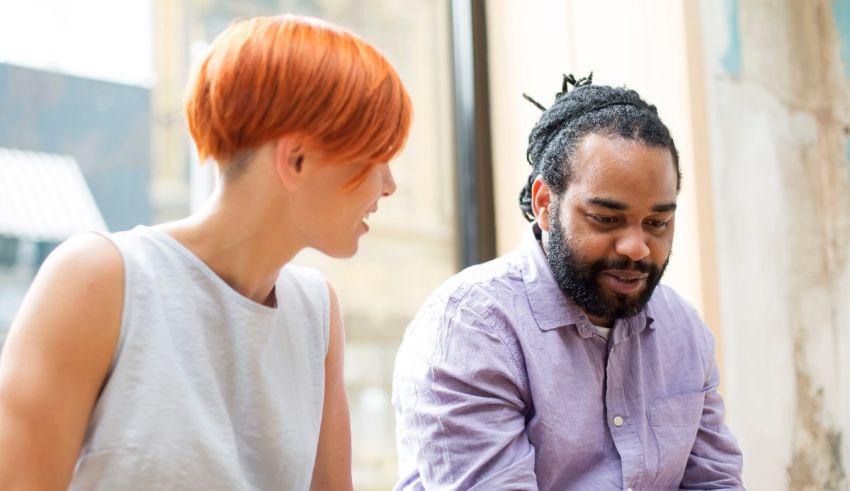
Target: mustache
(624, 264)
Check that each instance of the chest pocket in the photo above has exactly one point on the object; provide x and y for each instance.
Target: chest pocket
(674, 422)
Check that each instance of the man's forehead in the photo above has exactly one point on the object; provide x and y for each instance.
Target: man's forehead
(623, 175)
(600, 149)
(602, 161)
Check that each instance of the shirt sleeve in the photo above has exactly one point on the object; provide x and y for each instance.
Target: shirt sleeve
(461, 402)
(715, 461)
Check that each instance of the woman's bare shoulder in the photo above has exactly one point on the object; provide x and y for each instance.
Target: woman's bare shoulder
(55, 359)
(74, 302)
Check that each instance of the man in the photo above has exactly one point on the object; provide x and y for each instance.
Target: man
(564, 365)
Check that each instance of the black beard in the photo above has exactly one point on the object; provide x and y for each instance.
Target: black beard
(579, 280)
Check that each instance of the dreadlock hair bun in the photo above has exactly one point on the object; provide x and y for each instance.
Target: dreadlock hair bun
(599, 109)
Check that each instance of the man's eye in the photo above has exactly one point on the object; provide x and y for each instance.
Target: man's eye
(657, 224)
(603, 219)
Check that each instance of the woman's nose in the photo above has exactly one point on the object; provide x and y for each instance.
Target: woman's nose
(388, 180)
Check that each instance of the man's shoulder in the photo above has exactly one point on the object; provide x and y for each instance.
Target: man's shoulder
(475, 310)
(477, 292)
(673, 314)
(481, 285)
(666, 299)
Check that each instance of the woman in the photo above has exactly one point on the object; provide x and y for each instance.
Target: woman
(190, 354)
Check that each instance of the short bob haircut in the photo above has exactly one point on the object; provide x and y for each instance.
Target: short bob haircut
(267, 77)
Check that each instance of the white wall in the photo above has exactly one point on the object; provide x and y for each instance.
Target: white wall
(778, 124)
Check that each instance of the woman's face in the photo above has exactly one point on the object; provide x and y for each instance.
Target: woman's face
(337, 200)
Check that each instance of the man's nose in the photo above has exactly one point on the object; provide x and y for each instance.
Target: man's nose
(632, 244)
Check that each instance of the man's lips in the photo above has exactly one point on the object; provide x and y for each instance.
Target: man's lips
(624, 282)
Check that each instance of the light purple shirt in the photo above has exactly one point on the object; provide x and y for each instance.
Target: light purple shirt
(501, 383)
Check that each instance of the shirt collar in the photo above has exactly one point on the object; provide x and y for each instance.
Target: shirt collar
(550, 307)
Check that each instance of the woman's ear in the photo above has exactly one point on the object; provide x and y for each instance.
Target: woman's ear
(541, 198)
(289, 161)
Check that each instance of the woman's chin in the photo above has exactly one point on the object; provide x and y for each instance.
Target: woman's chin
(341, 252)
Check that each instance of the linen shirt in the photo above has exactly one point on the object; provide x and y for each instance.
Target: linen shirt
(501, 382)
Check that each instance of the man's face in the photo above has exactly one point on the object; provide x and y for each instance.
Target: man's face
(611, 232)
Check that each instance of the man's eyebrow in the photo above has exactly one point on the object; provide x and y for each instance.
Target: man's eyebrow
(620, 206)
(664, 207)
(608, 203)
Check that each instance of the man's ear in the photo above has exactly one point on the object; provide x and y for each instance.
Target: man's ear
(289, 161)
(541, 198)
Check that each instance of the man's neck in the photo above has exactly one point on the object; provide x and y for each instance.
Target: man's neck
(599, 321)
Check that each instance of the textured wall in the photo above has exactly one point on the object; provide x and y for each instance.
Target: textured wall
(777, 87)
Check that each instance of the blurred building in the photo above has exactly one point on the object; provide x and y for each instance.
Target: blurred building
(103, 125)
(44, 200)
(74, 156)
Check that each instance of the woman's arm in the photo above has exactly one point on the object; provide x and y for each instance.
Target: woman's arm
(54, 362)
(333, 458)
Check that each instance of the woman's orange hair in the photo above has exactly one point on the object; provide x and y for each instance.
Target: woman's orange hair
(288, 75)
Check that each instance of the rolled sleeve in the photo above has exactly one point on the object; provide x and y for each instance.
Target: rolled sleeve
(461, 397)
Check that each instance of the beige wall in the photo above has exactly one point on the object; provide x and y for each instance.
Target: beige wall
(528, 51)
(169, 142)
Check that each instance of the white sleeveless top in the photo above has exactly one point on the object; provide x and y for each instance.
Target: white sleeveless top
(208, 389)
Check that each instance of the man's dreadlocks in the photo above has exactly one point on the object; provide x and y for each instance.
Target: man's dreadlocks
(586, 109)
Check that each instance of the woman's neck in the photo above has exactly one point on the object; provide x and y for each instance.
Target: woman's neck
(234, 234)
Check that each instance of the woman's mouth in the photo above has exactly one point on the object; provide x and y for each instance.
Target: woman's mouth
(365, 219)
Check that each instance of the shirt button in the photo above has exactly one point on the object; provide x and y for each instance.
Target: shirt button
(618, 422)
(630, 489)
